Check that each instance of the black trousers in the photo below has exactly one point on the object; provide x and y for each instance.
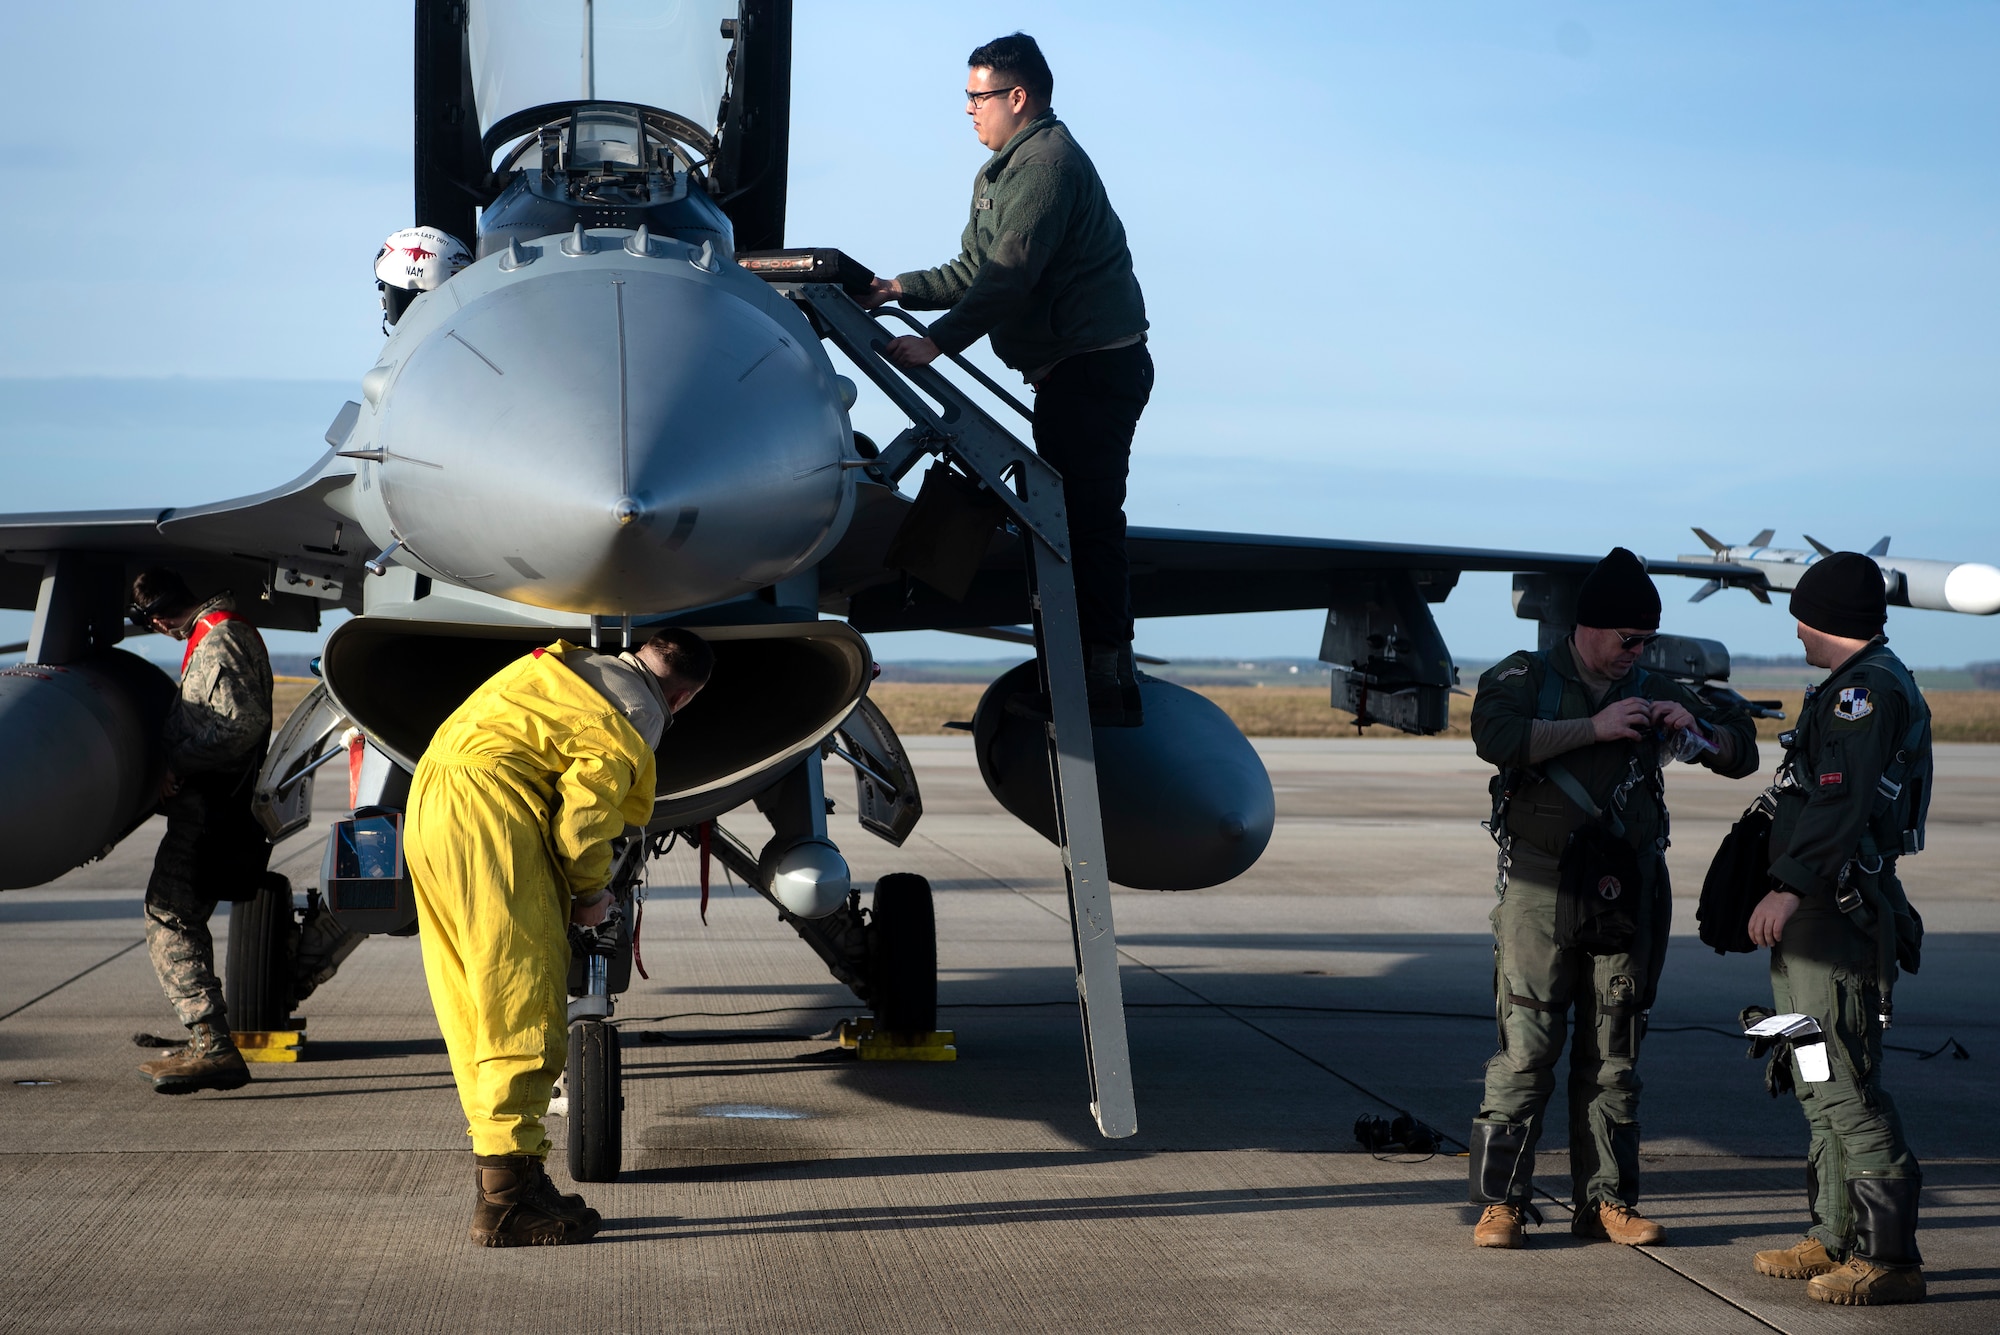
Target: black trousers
(1086, 410)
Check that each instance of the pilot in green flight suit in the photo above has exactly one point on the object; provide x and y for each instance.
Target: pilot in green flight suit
(1852, 797)
(1579, 735)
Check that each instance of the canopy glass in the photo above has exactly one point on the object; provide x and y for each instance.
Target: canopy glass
(668, 54)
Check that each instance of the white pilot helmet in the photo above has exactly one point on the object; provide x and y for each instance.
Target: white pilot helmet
(420, 259)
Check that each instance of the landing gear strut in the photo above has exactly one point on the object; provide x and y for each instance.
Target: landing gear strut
(600, 968)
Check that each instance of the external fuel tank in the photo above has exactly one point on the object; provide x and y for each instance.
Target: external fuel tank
(79, 760)
(1186, 801)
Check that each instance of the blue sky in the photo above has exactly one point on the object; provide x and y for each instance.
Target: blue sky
(1535, 275)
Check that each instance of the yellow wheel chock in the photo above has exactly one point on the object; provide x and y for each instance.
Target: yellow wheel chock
(859, 1034)
(269, 1045)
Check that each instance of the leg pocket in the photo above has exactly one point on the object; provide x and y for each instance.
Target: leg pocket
(1618, 1017)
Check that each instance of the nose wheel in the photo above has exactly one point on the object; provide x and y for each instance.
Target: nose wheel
(600, 968)
(596, 1101)
(902, 950)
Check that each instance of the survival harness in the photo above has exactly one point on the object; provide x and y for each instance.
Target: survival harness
(1862, 898)
(1512, 779)
(199, 632)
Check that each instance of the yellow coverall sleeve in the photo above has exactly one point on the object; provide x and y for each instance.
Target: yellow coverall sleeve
(589, 796)
(596, 798)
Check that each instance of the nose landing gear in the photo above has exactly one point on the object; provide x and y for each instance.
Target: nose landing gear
(591, 1095)
(596, 1102)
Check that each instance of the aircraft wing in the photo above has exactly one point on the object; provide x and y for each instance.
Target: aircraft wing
(1188, 572)
(239, 544)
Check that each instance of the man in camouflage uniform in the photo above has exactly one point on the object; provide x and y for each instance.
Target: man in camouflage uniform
(1851, 798)
(216, 735)
(1579, 734)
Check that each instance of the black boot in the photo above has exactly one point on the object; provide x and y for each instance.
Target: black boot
(1102, 681)
(1102, 690)
(1885, 1267)
(1128, 686)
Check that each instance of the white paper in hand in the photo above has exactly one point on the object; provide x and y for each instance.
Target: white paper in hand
(1808, 1044)
(1784, 1026)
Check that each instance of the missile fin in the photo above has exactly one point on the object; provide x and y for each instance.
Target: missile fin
(1764, 539)
(1757, 592)
(1709, 540)
(1881, 548)
(1819, 546)
(1713, 586)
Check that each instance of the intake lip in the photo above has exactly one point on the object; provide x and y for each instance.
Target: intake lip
(778, 690)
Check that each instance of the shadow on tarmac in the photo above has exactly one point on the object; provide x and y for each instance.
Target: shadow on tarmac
(1222, 1061)
(85, 909)
(1067, 1209)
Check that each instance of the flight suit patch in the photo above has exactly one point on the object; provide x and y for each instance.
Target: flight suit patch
(983, 202)
(1854, 704)
(1831, 779)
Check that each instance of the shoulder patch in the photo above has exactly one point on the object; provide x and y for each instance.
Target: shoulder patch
(1855, 704)
(1512, 672)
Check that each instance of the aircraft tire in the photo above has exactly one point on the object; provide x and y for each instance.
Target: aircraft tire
(903, 940)
(596, 1102)
(257, 984)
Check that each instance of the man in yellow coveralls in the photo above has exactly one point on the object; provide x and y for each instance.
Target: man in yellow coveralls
(512, 812)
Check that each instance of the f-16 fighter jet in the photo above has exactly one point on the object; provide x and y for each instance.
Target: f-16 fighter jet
(625, 406)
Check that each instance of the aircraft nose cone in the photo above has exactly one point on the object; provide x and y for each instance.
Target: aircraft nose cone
(614, 440)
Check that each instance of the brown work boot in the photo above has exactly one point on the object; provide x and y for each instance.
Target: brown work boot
(209, 1061)
(1616, 1223)
(1500, 1226)
(1803, 1261)
(1862, 1283)
(519, 1207)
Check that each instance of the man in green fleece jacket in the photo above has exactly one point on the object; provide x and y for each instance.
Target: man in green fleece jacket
(1046, 275)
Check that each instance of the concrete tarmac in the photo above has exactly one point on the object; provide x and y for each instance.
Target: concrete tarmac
(773, 1185)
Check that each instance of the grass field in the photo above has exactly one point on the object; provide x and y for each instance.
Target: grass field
(922, 708)
(286, 692)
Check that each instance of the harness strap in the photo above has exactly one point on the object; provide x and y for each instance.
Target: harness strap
(1895, 774)
(1574, 790)
(200, 632)
(1548, 704)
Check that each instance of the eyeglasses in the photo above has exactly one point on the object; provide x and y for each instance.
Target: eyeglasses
(1639, 641)
(974, 99)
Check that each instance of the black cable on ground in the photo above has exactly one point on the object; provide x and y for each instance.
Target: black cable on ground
(1952, 1045)
(72, 978)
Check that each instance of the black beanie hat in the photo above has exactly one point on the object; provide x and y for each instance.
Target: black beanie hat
(1842, 595)
(1618, 594)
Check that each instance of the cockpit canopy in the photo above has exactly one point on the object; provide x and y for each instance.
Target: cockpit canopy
(667, 114)
(672, 55)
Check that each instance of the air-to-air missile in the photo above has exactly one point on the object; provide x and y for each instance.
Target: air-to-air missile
(1939, 586)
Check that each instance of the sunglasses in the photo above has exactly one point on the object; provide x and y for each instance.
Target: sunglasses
(1639, 641)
